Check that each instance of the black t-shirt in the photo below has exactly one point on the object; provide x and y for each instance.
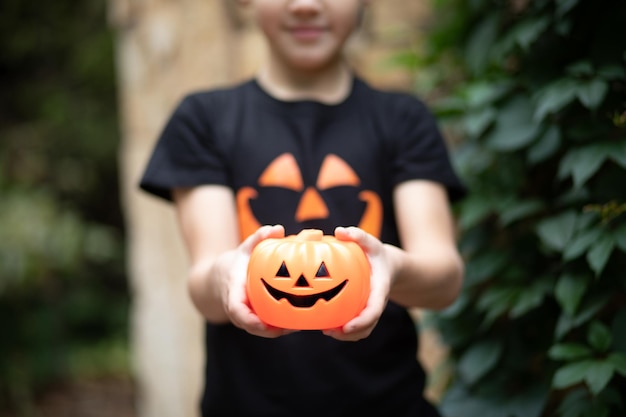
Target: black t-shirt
(305, 164)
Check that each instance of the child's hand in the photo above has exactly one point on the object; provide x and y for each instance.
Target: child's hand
(233, 285)
(361, 326)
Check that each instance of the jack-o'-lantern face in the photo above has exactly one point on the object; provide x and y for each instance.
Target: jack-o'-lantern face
(307, 299)
(308, 281)
(282, 183)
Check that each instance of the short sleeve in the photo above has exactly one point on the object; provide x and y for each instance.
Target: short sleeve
(420, 151)
(185, 154)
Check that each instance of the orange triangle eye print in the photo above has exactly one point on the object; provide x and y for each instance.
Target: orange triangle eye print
(284, 173)
(336, 172)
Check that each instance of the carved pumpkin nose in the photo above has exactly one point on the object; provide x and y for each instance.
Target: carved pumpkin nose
(311, 206)
(302, 282)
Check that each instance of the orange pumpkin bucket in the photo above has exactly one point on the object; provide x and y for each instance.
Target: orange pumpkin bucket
(308, 281)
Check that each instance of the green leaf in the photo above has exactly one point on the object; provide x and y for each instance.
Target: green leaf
(484, 93)
(591, 93)
(612, 72)
(483, 266)
(514, 127)
(599, 375)
(568, 322)
(620, 236)
(520, 210)
(460, 400)
(563, 27)
(473, 210)
(528, 31)
(495, 301)
(566, 166)
(571, 374)
(528, 403)
(596, 374)
(585, 221)
(569, 352)
(585, 166)
(611, 396)
(575, 403)
(599, 255)
(618, 330)
(480, 42)
(478, 360)
(597, 409)
(553, 97)
(470, 158)
(578, 403)
(556, 232)
(618, 154)
(477, 122)
(528, 299)
(580, 243)
(583, 163)
(569, 291)
(618, 360)
(582, 68)
(599, 336)
(457, 308)
(564, 6)
(546, 146)
(449, 106)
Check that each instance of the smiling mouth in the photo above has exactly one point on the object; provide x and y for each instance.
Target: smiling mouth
(304, 301)
(306, 33)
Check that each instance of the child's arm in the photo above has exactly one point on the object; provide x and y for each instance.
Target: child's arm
(217, 278)
(427, 273)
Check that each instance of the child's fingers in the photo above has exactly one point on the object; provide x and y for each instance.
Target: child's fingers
(242, 317)
(366, 241)
(264, 232)
(237, 306)
(362, 326)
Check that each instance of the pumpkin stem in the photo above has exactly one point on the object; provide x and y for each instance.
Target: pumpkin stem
(310, 234)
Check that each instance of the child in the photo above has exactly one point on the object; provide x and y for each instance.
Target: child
(307, 144)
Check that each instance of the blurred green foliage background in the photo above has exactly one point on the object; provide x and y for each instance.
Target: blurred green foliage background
(63, 292)
(536, 93)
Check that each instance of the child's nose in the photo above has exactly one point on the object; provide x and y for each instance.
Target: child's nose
(305, 7)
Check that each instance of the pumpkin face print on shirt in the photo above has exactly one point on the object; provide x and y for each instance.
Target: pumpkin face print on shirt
(282, 196)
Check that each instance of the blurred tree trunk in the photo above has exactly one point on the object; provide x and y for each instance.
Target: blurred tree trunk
(165, 49)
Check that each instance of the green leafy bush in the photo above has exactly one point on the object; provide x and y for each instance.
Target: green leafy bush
(536, 90)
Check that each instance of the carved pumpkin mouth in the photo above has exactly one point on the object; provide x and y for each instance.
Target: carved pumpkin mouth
(304, 301)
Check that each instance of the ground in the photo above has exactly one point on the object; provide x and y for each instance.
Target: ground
(101, 397)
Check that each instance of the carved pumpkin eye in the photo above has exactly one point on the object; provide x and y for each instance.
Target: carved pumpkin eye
(290, 284)
(322, 272)
(283, 271)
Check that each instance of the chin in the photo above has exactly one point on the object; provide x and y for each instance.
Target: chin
(312, 60)
(313, 65)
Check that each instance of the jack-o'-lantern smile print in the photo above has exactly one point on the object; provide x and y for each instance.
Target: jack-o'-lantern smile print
(283, 181)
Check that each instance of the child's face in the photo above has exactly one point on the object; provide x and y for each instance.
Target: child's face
(307, 34)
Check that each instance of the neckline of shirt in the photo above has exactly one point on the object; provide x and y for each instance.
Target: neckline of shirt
(304, 107)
